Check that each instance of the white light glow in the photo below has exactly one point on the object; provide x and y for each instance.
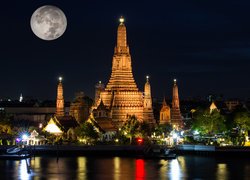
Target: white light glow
(121, 20)
(24, 137)
(21, 98)
(196, 132)
(175, 170)
(182, 132)
(175, 135)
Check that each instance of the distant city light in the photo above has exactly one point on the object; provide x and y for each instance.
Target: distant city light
(21, 98)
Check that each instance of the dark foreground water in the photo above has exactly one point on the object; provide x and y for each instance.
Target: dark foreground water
(184, 167)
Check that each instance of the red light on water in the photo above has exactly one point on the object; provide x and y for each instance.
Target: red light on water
(140, 169)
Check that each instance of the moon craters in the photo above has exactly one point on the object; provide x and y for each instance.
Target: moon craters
(48, 22)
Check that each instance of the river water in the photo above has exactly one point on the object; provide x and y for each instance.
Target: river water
(69, 168)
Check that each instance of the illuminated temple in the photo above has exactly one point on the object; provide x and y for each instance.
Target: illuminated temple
(121, 95)
(176, 118)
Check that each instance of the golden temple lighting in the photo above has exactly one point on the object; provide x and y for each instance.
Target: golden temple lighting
(52, 128)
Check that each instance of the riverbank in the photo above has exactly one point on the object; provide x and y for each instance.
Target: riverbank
(69, 150)
(213, 150)
(130, 150)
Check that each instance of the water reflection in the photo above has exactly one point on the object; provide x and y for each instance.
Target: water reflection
(82, 168)
(24, 171)
(172, 169)
(222, 171)
(184, 167)
(117, 165)
(139, 169)
(175, 170)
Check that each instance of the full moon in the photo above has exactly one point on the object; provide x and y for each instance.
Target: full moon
(48, 22)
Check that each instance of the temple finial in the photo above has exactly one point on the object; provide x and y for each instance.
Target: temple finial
(121, 19)
(60, 79)
(147, 78)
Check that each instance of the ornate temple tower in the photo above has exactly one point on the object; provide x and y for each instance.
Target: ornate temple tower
(164, 113)
(147, 103)
(121, 95)
(99, 87)
(79, 108)
(176, 118)
(60, 99)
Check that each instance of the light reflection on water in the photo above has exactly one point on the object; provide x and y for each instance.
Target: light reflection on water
(139, 169)
(117, 170)
(175, 170)
(222, 171)
(81, 172)
(24, 172)
(184, 167)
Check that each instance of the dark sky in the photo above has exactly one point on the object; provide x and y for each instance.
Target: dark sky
(204, 44)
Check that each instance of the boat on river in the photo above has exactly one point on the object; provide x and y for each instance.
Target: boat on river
(15, 156)
(166, 154)
(14, 150)
(15, 153)
(158, 152)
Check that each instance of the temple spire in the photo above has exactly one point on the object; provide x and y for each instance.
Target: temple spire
(147, 103)
(121, 75)
(164, 113)
(121, 96)
(147, 94)
(60, 99)
(164, 103)
(176, 118)
(175, 100)
(99, 87)
(122, 37)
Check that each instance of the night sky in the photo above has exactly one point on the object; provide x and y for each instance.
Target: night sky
(204, 44)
